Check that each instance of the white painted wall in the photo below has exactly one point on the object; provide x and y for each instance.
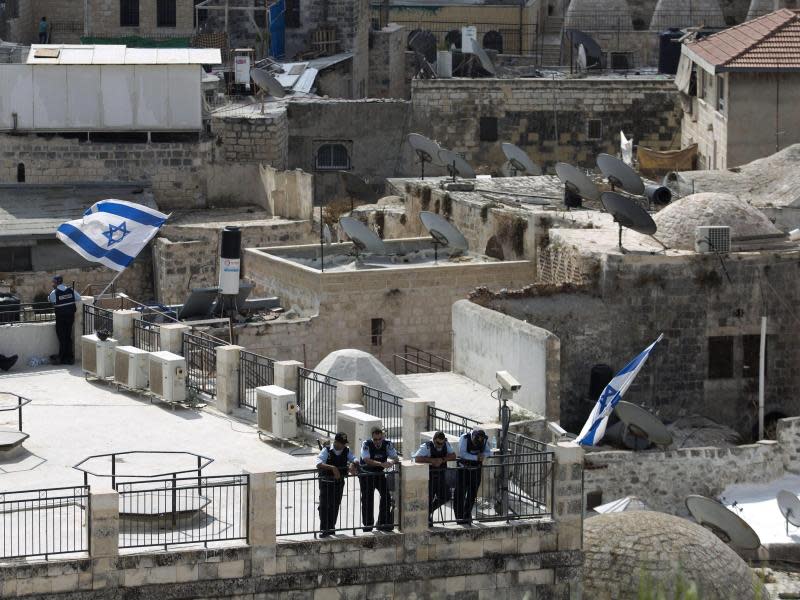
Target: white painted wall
(28, 340)
(486, 341)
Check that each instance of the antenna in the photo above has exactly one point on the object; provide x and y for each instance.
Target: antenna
(726, 525)
(427, 150)
(483, 58)
(443, 233)
(520, 162)
(628, 214)
(267, 84)
(364, 240)
(456, 165)
(789, 505)
(641, 425)
(577, 186)
(620, 175)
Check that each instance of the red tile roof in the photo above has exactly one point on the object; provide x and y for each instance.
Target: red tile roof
(768, 43)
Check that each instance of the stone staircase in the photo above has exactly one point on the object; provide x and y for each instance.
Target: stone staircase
(551, 47)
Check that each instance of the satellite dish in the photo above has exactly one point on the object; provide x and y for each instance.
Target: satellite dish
(483, 58)
(789, 505)
(443, 232)
(363, 238)
(576, 185)
(642, 424)
(726, 525)
(581, 58)
(424, 42)
(427, 150)
(519, 160)
(267, 82)
(455, 163)
(628, 214)
(620, 175)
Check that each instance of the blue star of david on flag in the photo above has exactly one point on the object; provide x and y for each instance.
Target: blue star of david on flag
(113, 234)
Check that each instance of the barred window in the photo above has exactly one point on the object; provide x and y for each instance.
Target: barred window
(128, 13)
(594, 129)
(332, 157)
(166, 13)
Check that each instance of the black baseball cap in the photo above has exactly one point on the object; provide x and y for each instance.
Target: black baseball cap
(341, 437)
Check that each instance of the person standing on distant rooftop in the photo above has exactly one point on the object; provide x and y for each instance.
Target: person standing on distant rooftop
(64, 298)
(43, 31)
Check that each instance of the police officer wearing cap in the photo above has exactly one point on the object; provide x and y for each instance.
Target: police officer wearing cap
(63, 299)
(436, 453)
(472, 449)
(333, 465)
(377, 455)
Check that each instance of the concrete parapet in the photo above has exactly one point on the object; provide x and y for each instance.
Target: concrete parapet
(286, 374)
(415, 421)
(568, 494)
(123, 326)
(414, 497)
(349, 392)
(228, 377)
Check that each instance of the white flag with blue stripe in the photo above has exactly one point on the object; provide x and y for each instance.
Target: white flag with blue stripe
(595, 427)
(112, 232)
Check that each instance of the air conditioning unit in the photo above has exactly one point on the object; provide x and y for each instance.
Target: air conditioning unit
(715, 238)
(357, 425)
(168, 376)
(277, 411)
(131, 367)
(97, 356)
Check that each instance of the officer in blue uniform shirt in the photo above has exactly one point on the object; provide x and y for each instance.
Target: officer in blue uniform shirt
(436, 453)
(333, 465)
(472, 449)
(63, 299)
(377, 455)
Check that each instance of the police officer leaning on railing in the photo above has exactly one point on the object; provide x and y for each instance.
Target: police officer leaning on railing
(436, 453)
(377, 455)
(472, 449)
(333, 465)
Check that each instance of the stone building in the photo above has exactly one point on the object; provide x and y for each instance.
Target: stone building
(740, 89)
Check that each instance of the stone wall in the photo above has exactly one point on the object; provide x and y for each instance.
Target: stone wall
(387, 58)
(104, 19)
(252, 139)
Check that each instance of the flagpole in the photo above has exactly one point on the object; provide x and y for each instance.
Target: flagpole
(110, 283)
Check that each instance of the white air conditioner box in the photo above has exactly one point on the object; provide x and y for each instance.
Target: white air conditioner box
(277, 411)
(357, 425)
(168, 376)
(97, 356)
(132, 367)
(715, 238)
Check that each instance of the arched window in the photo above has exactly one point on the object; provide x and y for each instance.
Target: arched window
(21, 173)
(332, 157)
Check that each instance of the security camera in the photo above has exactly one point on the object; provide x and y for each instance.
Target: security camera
(508, 382)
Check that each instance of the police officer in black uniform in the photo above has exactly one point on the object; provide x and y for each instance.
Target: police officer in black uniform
(436, 453)
(377, 454)
(63, 299)
(333, 465)
(472, 449)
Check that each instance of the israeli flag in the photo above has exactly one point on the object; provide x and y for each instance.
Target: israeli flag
(595, 427)
(112, 232)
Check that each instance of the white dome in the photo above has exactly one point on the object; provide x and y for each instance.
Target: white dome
(356, 365)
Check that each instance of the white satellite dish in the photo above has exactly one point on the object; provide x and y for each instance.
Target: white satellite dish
(363, 238)
(443, 233)
(725, 524)
(456, 165)
(483, 58)
(267, 82)
(642, 425)
(789, 505)
(518, 159)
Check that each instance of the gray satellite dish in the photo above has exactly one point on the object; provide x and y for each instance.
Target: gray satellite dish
(483, 58)
(455, 163)
(620, 175)
(576, 185)
(326, 234)
(628, 214)
(364, 239)
(267, 83)
(519, 160)
(427, 151)
(789, 505)
(726, 525)
(198, 303)
(642, 425)
(443, 232)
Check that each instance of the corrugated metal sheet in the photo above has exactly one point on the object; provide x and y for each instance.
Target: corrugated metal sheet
(110, 54)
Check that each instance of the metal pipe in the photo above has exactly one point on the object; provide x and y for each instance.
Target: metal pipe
(761, 369)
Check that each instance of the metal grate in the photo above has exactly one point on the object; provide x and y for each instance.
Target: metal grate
(27, 312)
(389, 409)
(317, 400)
(96, 318)
(146, 336)
(200, 352)
(254, 371)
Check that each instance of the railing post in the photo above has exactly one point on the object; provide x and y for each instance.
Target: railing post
(261, 523)
(413, 497)
(123, 326)
(350, 392)
(568, 494)
(228, 377)
(172, 337)
(104, 537)
(77, 328)
(415, 421)
(286, 374)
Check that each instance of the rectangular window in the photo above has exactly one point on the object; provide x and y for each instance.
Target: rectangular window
(751, 347)
(720, 357)
(488, 129)
(377, 332)
(15, 258)
(292, 16)
(720, 93)
(594, 129)
(128, 13)
(166, 13)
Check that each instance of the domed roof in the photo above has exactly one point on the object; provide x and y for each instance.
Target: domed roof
(583, 14)
(356, 365)
(677, 222)
(628, 551)
(686, 13)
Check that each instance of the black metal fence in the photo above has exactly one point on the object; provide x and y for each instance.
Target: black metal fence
(310, 504)
(480, 493)
(200, 352)
(146, 336)
(254, 371)
(10, 401)
(389, 409)
(44, 522)
(522, 444)
(317, 400)
(414, 360)
(96, 318)
(27, 312)
(183, 510)
(449, 423)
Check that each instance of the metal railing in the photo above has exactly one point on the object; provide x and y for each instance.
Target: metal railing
(449, 423)
(309, 504)
(414, 360)
(388, 408)
(27, 312)
(200, 352)
(18, 403)
(146, 336)
(185, 510)
(317, 400)
(254, 371)
(44, 522)
(522, 444)
(96, 318)
(465, 493)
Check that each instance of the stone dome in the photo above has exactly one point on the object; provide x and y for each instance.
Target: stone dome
(677, 222)
(686, 13)
(356, 365)
(630, 551)
(585, 15)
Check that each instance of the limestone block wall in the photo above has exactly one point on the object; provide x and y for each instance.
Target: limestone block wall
(298, 287)
(104, 19)
(387, 62)
(253, 139)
